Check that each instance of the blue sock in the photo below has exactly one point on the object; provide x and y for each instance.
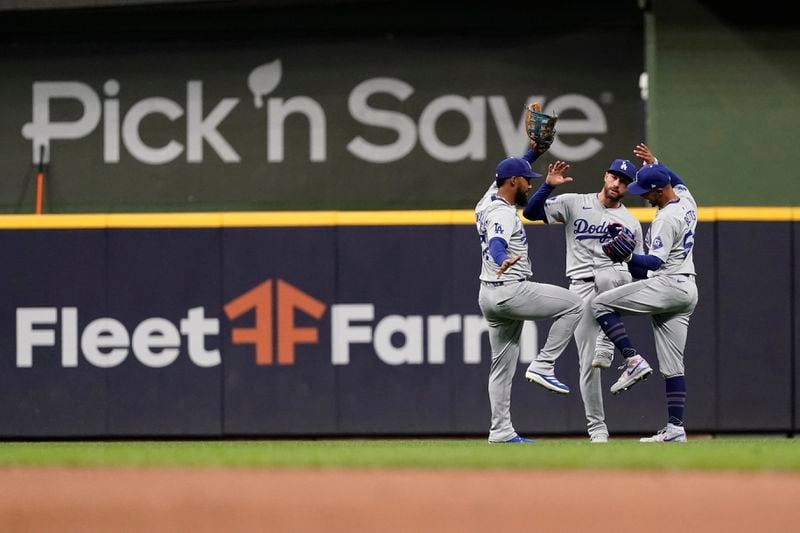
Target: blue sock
(676, 399)
(615, 331)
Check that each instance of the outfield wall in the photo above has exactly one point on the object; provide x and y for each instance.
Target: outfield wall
(235, 324)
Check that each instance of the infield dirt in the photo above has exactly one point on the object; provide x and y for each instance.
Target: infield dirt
(216, 500)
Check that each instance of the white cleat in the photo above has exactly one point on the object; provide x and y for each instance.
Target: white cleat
(671, 433)
(598, 438)
(634, 370)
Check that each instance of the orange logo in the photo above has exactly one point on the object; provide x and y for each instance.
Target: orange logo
(260, 300)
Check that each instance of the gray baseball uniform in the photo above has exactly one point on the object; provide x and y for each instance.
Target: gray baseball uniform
(508, 301)
(591, 272)
(669, 294)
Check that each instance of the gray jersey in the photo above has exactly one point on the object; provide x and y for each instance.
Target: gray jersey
(586, 220)
(669, 297)
(495, 217)
(671, 235)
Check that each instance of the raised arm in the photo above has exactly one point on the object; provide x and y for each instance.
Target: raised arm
(533, 153)
(534, 210)
(643, 152)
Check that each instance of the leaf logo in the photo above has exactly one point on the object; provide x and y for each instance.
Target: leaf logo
(263, 79)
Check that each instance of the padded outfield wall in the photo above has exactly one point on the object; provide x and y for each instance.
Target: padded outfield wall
(237, 324)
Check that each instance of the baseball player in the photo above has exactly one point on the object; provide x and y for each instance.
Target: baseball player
(586, 218)
(666, 289)
(507, 298)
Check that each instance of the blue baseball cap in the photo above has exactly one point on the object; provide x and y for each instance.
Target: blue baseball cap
(649, 178)
(515, 166)
(624, 169)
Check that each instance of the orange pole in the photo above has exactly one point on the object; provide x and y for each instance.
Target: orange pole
(40, 182)
(39, 192)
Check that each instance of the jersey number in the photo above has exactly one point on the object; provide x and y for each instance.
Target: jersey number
(688, 243)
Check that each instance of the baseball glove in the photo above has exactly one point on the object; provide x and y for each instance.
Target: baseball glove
(620, 247)
(540, 128)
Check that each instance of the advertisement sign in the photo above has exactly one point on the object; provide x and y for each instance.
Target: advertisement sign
(281, 331)
(408, 122)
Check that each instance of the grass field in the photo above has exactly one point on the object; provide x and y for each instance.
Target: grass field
(734, 454)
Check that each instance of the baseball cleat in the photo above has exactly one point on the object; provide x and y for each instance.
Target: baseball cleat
(602, 360)
(550, 383)
(671, 433)
(634, 370)
(516, 439)
(598, 438)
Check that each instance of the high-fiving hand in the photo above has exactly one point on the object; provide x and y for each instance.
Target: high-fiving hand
(555, 174)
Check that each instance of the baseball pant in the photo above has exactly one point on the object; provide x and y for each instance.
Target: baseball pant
(506, 308)
(590, 339)
(670, 300)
